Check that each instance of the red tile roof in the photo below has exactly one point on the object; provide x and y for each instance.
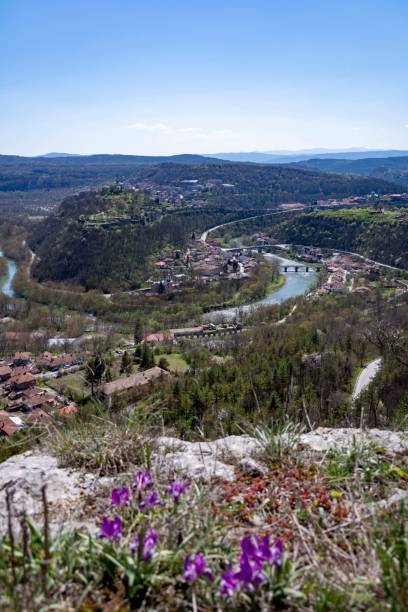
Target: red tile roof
(7, 426)
(24, 378)
(5, 371)
(67, 410)
(23, 356)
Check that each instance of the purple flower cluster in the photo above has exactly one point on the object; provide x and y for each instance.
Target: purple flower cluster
(196, 566)
(256, 555)
(145, 500)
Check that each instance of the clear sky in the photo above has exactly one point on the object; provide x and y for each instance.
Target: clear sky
(172, 76)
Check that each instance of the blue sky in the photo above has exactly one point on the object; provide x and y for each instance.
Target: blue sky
(172, 76)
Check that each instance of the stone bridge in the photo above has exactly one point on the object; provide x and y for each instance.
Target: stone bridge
(298, 268)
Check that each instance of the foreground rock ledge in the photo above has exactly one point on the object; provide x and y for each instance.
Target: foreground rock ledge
(25, 474)
(217, 459)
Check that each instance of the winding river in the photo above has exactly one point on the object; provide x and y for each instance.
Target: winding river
(6, 283)
(296, 283)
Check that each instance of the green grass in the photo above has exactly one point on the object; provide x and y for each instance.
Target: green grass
(276, 284)
(176, 361)
(363, 214)
(72, 385)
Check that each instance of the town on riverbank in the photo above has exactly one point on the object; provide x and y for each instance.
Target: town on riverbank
(40, 385)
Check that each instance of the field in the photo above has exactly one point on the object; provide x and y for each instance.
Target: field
(73, 386)
(176, 362)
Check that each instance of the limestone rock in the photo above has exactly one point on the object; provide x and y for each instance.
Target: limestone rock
(323, 438)
(24, 476)
(199, 467)
(206, 460)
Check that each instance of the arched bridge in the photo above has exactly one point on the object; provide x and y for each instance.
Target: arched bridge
(297, 268)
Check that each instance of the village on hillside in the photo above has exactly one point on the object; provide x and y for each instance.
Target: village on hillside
(28, 393)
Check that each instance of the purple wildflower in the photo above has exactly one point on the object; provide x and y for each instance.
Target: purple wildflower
(271, 553)
(255, 553)
(250, 550)
(250, 572)
(195, 567)
(176, 489)
(149, 545)
(230, 583)
(142, 480)
(150, 501)
(120, 497)
(111, 529)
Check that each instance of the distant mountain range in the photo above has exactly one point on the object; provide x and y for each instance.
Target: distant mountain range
(287, 157)
(54, 154)
(66, 170)
(257, 157)
(184, 158)
(393, 169)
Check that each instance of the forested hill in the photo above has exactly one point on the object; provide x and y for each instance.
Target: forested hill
(265, 186)
(106, 239)
(28, 173)
(382, 236)
(260, 183)
(393, 169)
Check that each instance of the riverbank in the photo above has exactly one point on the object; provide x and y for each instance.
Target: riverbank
(240, 301)
(295, 284)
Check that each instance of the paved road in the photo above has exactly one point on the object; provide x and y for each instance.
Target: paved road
(365, 378)
(204, 235)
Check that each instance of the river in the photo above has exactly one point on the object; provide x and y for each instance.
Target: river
(296, 283)
(6, 284)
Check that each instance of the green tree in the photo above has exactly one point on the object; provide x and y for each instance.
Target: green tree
(95, 370)
(138, 331)
(147, 357)
(126, 365)
(163, 363)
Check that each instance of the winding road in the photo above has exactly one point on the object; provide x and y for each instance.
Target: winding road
(204, 235)
(366, 377)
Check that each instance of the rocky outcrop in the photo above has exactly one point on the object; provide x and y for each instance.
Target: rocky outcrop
(323, 438)
(24, 477)
(206, 460)
(218, 459)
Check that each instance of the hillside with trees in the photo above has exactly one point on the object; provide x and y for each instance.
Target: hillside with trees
(83, 244)
(394, 169)
(265, 186)
(28, 173)
(379, 235)
(248, 185)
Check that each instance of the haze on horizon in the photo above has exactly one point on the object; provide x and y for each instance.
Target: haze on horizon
(176, 77)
